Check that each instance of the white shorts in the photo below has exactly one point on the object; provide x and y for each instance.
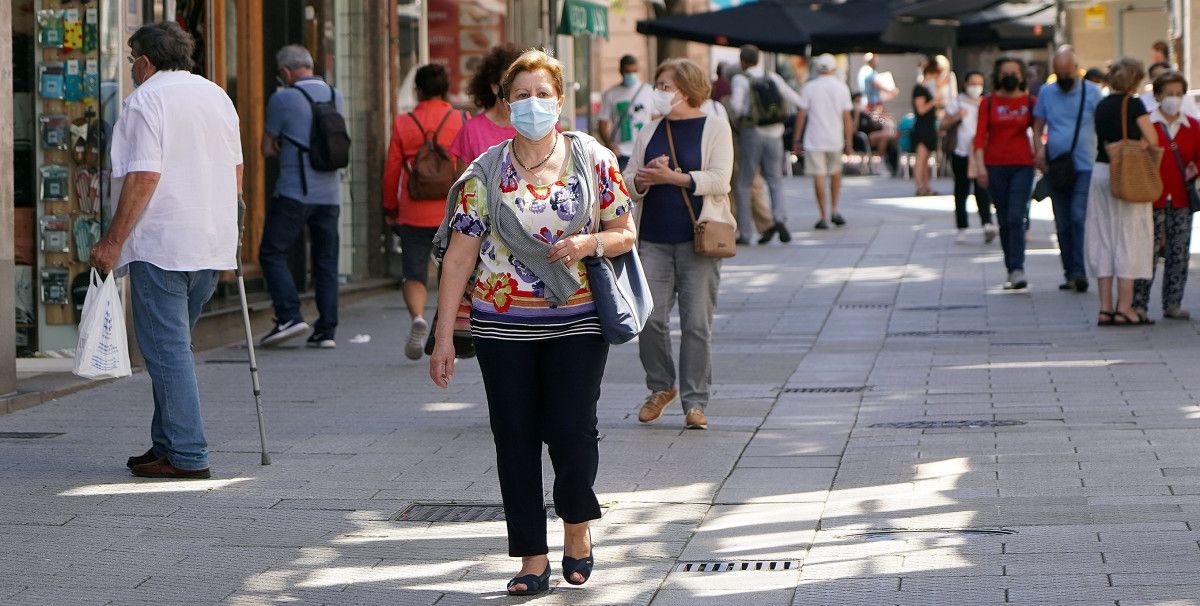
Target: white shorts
(821, 163)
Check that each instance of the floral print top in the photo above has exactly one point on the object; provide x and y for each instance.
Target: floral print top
(508, 301)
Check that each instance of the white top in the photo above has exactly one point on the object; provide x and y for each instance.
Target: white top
(826, 99)
(1188, 108)
(638, 101)
(712, 108)
(1181, 121)
(969, 108)
(185, 128)
(739, 98)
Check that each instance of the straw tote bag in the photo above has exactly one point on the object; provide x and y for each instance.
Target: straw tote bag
(1133, 169)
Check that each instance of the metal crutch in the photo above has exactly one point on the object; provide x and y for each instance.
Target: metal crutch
(241, 282)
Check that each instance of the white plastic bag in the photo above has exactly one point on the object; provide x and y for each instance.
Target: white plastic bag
(103, 350)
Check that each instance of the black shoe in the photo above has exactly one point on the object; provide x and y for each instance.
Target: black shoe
(534, 583)
(821, 225)
(740, 241)
(321, 341)
(283, 331)
(837, 219)
(1068, 285)
(1081, 284)
(767, 235)
(149, 457)
(785, 236)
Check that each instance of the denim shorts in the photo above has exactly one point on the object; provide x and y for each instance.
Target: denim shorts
(416, 243)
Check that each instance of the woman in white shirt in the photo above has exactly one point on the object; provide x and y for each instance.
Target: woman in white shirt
(963, 111)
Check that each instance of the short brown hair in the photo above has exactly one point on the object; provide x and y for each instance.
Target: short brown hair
(689, 80)
(1168, 77)
(533, 60)
(1125, 74)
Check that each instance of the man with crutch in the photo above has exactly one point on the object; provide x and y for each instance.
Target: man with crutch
(177, 165)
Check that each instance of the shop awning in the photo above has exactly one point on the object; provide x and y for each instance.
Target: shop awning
(584, 18)
(1011, 26)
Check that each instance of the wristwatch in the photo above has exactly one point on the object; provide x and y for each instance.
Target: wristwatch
(599, 245)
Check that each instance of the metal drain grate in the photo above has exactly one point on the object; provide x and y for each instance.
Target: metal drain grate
(857, 389)
(864, 306)
(738, 566)
(940, 307)
(947, 424)
(460, 512)
(942, 333)
(888, 532)
(28, 435)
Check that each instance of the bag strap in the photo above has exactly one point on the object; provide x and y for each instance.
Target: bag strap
(438, 130)
(1178, 158)
(424, 135)
(1079, 116)
(687, 198)
(1125, 117)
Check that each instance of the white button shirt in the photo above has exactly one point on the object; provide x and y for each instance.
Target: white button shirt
(185, 128)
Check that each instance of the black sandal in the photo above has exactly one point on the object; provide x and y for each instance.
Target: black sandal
(1107, 318)
(583, 566)
(1134, 320)
(534, 583)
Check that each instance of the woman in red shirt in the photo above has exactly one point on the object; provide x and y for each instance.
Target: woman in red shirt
(1002, 144)
(417, 221)
(1172, 218)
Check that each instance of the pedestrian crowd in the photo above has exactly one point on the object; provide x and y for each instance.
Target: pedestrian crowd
(553, 245)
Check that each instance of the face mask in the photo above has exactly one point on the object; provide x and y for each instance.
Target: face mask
(534, 118)
(975, 90)
(1009, 82)
(1171, 105)
(629, 79)
(1066, 84)
(664, 102)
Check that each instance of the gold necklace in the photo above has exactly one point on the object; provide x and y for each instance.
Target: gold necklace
(532, 170)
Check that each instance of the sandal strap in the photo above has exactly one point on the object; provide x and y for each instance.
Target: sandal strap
(530, 581)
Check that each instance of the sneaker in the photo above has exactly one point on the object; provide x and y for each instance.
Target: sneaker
(989, 233)
(767, 235)
(415, 348)
(653, 407)
(785, 236)
(961, 238)
(1176, 312)
(321, 341)
(838, 220)
(821, 225)
(695, 419)
(283, 331)
(1016, 280)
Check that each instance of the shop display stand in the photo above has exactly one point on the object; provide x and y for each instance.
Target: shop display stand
(83, 108)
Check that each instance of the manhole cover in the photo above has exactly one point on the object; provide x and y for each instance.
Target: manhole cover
(942, 333)
(734, 566)
(855, 389)
(864, 306)
(28, 435)
(946, 424)
(940, 307)
(889, 532)
(459, 512)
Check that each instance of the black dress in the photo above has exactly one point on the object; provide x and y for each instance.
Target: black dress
(925, 128)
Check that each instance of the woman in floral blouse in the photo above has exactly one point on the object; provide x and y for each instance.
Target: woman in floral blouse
(519, 224)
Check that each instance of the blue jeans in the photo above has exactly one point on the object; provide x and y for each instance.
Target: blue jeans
(286, 219)
(1070, 216)
(166, 305)
(1010, 188)
(758, 153)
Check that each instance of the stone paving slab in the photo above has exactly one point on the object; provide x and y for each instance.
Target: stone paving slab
(1100, 487)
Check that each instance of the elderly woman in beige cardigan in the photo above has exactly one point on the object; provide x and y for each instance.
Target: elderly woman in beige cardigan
(683, 157)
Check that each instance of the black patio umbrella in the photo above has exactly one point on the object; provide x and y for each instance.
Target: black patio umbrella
(1011, 26)
(776, 26)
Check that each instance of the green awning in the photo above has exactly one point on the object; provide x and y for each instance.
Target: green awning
(582, 17)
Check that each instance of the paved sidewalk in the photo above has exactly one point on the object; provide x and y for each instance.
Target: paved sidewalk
(1087, 493)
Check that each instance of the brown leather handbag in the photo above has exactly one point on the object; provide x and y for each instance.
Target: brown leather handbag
(1133, 169)
(711, 238)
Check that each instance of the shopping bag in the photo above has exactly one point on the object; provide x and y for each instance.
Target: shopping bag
(103, 351)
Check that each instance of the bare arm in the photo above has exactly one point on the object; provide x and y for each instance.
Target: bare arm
(849, 126)
(136, 192)
(457, 267)
(922, 105)
(1149, 133)
(270, 146)
(798, 129)
(605, 134)
(618, 235)
(239, 170)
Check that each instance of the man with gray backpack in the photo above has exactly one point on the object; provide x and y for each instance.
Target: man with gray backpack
(306, 130)
(760, 103)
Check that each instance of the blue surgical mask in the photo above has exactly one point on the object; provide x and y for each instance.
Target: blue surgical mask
(534, 118)
(629, 79)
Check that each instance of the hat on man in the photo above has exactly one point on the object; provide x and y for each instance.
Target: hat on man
(825, 63)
